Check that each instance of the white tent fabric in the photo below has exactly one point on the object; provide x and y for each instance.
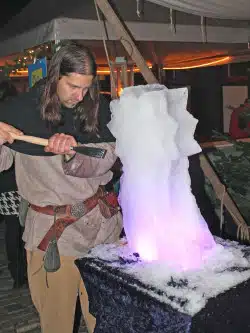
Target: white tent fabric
(222, 9)
(40, 22)
(67, 28)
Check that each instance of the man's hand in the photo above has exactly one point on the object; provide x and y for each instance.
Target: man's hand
(60, 144)
(5, 131)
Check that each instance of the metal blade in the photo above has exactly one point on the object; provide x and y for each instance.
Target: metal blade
(90, 151)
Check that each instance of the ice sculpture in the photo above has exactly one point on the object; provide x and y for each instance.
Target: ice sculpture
(154, 137)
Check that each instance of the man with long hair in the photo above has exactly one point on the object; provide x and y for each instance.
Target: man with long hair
(68, 207)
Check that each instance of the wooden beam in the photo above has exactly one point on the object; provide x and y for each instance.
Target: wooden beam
(126, 40)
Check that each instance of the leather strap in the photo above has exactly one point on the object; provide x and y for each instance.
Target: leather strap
(49, 210)
(108, 204)
(56, 230)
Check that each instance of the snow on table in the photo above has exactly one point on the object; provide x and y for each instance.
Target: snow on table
(188, 292)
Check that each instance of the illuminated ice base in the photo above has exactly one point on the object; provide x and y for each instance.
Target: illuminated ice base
(154, 137)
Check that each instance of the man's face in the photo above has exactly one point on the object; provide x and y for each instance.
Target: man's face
(72, 88)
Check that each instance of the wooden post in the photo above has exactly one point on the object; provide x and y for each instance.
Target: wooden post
(124, 75)
(126, 40)
(113, 83)
(121, 79)
(131, 76)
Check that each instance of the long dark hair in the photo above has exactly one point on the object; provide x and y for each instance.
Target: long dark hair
(71, 58)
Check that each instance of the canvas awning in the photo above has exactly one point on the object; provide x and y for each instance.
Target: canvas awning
(41, 22)
(221, 9)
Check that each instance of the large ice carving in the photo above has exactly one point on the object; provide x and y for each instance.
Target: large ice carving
(154, 137)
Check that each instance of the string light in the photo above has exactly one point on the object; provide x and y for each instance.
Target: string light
(24, 71)
(209, 63)
(107, 71)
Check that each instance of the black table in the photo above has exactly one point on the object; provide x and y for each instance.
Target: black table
(121, 303)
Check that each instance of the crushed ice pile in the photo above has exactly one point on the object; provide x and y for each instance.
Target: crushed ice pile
(154, 137)
(186, 291)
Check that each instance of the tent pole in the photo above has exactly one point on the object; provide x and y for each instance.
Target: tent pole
(126, 40)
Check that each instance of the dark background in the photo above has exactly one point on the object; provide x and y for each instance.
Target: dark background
(10, 8)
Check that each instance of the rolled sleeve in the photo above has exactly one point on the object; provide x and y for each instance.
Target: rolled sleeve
(6, 158)
(83, 166)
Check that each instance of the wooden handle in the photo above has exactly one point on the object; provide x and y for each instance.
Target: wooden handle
(30, 139)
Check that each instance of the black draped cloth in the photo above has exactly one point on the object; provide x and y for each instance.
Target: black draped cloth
(121, 304)
(23, 112)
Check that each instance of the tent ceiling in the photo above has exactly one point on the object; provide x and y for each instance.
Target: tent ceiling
(40, 22)
(167, 53)
(65, 28)
(37, 13)
(222, 9)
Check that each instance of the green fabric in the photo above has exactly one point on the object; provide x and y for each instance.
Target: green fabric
(117, 187)
(232, 165)
(23, 211)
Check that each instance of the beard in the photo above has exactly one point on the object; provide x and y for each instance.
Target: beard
(70, 104)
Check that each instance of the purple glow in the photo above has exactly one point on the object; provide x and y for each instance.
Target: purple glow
(154, 135)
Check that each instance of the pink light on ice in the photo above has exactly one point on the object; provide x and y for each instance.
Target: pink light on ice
(154, 134)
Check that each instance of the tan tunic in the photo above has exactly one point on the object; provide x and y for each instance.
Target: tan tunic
(48, 181)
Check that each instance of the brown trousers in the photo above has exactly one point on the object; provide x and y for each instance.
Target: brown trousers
(55, 296)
